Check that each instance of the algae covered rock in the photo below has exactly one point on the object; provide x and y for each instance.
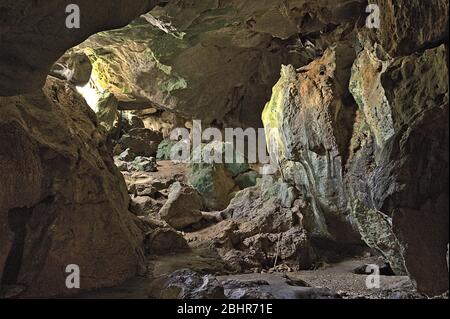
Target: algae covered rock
(213, 182)
(165, 150)
(309, 121)
(75, 68)
(141, 142)
(213, 175)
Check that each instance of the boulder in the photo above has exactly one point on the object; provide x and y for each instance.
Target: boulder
(213, 182)
(142, 189)
(33, 36)
(309, 121)
(131, 121)
(409, 26)
(165, 150)
(141, 142)
(144, 164)
(183, 207)
(259, 231)
(248, 179)
(241, 290)
(126, 156)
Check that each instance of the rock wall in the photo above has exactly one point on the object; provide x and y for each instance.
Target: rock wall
(215, 60)
(63, 201)
(374, 163)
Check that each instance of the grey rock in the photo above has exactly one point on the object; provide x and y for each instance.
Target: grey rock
(183, 207)
(186, 284)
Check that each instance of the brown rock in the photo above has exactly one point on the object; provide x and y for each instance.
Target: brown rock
(62, 200)
(183, 207)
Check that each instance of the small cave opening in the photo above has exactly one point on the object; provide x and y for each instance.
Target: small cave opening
(17, 222)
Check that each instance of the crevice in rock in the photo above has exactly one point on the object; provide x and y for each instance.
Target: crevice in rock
(17, 219)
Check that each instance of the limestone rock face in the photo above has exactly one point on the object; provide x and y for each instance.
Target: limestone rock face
(309, 120)
(214, 60)
(33, 35)
(401, 174)
(62, 201)
(379, 171)
(214, 176)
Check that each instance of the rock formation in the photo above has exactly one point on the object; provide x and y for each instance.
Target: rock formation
(376, 170)
(170, 55)
(63, 201)
(356, 121)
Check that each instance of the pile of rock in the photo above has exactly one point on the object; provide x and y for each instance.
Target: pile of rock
(262, 228)
(139, 164)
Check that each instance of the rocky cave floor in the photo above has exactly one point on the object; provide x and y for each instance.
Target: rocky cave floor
(200, 271)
